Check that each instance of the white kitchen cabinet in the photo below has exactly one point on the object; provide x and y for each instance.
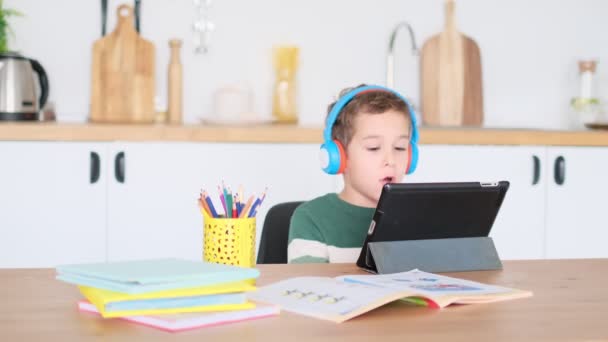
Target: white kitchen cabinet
(51, 211)
(518, 231)
(154, 212)
(576, 224)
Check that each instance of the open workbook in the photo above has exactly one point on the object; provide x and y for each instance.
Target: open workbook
(342, 298)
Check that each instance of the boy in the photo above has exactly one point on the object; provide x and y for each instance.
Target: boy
(375, 135)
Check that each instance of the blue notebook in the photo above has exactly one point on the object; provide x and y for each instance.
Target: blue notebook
(143, 276)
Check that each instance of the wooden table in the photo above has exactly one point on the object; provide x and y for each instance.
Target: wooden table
(570, 302)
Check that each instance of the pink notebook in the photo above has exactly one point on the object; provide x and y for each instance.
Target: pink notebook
(188, 321)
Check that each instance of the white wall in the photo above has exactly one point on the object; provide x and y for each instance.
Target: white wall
(529, 49)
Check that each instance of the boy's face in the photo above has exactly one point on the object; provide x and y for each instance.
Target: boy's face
(377, 154)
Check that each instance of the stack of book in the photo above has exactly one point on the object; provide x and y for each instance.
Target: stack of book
(170, 294)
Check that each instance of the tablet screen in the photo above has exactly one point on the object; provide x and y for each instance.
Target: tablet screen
(437, 210)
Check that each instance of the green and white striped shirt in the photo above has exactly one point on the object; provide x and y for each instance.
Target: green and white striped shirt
(327, 229)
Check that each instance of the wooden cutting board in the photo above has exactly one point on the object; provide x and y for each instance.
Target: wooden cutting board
(451, 82)
(122, 89)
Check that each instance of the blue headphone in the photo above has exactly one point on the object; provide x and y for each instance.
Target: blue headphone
(333, 156)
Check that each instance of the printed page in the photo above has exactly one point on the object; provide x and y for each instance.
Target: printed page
(427, 284)
(325, 298)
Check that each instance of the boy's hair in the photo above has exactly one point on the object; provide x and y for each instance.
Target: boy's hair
(373, 102)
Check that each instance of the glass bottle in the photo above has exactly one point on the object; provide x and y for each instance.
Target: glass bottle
(284, 104)
(586, 105)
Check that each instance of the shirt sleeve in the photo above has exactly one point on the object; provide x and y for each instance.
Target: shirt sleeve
(306, 242)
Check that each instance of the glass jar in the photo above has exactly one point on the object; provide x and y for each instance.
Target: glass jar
(586, 105)
(284, 104)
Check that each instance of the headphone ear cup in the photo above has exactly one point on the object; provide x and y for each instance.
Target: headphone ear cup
(412, 157)
(333, 158)
(342, 156)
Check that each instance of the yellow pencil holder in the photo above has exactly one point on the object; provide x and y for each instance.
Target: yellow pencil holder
(229, 241)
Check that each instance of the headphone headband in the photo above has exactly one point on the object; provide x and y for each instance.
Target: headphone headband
(344, 100)
(332, 156)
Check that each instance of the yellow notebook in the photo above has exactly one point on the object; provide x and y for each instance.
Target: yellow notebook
(221, 297)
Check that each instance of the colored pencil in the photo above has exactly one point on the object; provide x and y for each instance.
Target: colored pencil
(203, 204)
(210, 204)
(222, 198)
(237, 203)
(247, 206)
(229, 204)
(254, 208)
(241, 194)
(225, 192)
(233, 203)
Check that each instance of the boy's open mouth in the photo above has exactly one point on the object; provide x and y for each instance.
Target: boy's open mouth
(387, 179)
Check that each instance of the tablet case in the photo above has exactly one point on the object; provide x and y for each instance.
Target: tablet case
(455, 238)
(437, 255)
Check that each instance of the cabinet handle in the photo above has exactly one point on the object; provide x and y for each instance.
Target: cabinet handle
(94, 168)
(119, 167)
(559, 170)
(535, 170)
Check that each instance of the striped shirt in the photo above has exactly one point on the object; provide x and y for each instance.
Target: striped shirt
(327, 229)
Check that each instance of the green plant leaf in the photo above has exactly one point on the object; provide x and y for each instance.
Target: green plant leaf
(5, 28)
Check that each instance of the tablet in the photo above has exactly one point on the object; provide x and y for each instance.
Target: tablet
(420, 211)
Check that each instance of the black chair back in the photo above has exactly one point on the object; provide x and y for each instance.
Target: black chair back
(275, 233)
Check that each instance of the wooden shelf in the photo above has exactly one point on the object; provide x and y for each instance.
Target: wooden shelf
(37, 131)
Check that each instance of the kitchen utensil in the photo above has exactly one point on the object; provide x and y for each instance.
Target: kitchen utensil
(451, 77)
(123, 74)
(175, 83)
(137, 14)
(390, 57)
(104, 15)
(20, 97)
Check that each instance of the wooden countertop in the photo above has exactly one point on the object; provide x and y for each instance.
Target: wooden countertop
(570, 303)
(283, 134)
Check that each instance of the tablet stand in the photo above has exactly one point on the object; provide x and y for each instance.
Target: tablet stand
(437, 255)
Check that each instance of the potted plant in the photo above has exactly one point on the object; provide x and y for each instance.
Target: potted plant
(5, 29)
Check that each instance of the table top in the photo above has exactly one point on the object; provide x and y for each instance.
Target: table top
(570, 302)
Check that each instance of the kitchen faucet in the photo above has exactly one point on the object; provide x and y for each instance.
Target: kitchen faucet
(390, 60)
(202, 26)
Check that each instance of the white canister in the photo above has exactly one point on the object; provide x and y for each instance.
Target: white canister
(232, 104)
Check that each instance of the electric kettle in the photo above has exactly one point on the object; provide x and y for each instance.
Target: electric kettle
(20, 97)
